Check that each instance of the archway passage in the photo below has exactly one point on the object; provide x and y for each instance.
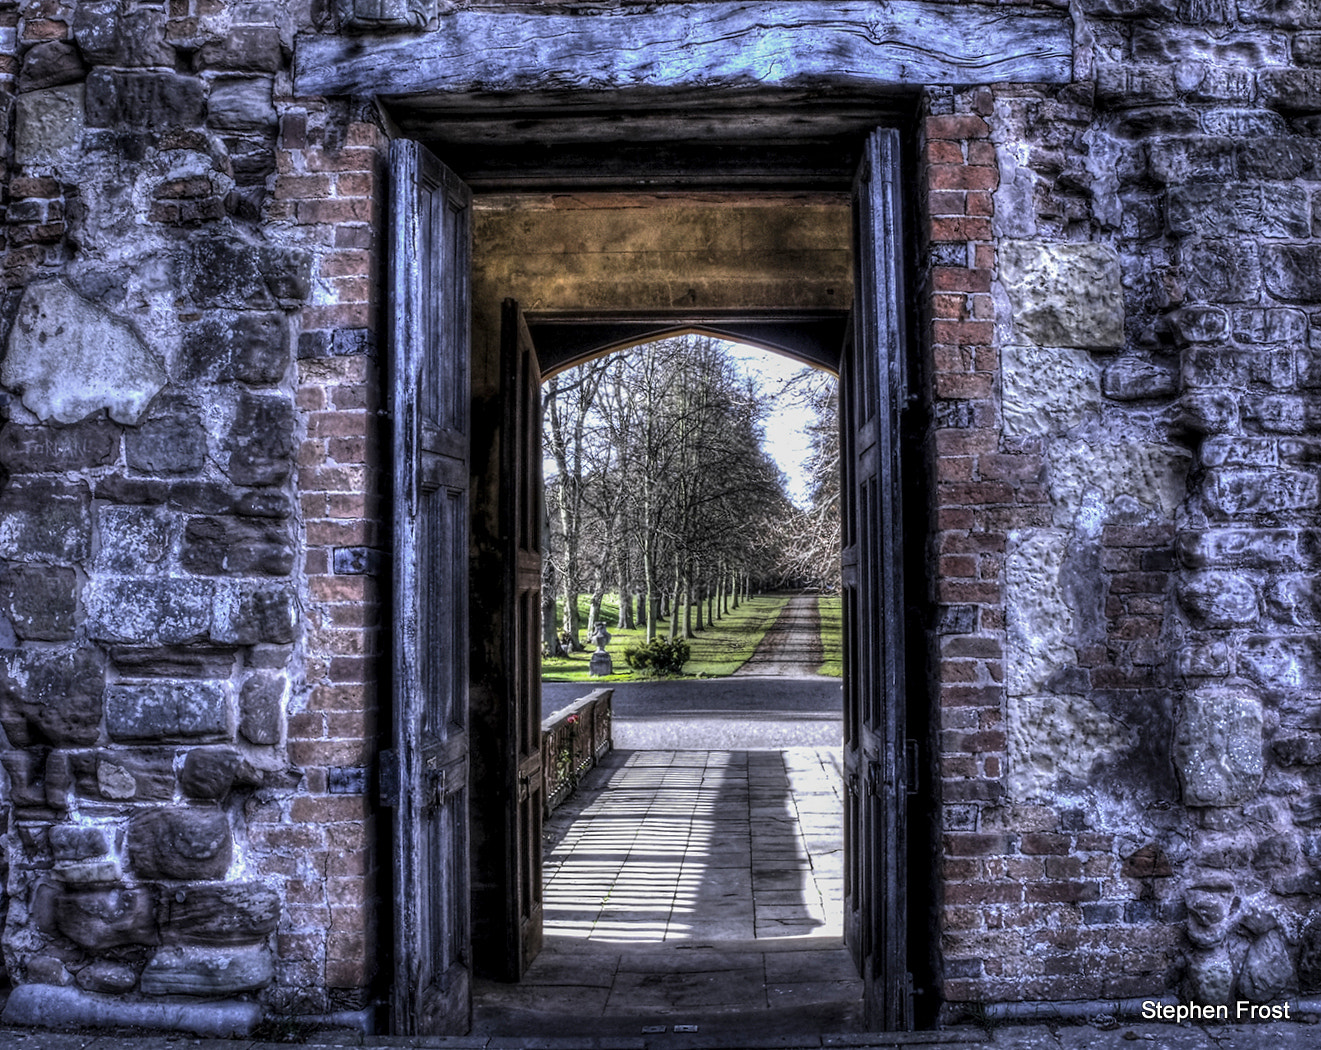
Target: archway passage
(738, 258)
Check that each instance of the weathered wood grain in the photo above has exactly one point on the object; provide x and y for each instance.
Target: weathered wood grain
(794, 44)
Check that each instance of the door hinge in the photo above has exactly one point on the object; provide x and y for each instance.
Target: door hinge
(388, 784)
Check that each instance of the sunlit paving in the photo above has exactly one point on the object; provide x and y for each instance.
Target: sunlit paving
(687, 887)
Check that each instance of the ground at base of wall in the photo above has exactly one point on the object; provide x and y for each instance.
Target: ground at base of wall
(1283, 1035)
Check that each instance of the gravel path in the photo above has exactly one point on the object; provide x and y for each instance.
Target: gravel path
(792, 646)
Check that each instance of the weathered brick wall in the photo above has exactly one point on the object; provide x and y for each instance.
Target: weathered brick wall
(190, 515)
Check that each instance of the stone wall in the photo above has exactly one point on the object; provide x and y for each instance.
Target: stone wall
(189, 519)
(1127, 652)
(1118, 299)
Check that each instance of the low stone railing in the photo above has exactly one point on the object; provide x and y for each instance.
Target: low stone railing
(573, 740)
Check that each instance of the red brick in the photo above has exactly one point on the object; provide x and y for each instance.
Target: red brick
(343, 588)
(355, 184)
(963, 385)
(330, 752)
(977, 493)
(967, 228)
(362, 133)
(979, 203)
(943, 151)
(974, 844)
(977, 593)
(328, 809)
(946, 358)
(342, 160)
(982, 893)
(337, 210)
(355, 262)
(1040, 842)
(342, 315)
(982, 696)
(354, 668)
(1062, 892)
(984, 257)
(960, 279)
(954, 468)
(982, 153)
(301, 187)
(22, 187)
(956, 127)
(962, 177)
(962, 333)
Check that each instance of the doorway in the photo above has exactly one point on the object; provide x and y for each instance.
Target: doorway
(481, 762)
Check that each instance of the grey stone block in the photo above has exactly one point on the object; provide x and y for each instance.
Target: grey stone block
(1064, 294)
(174, 444)
(102, 919)
(52, 697)
(50, 64)
(1218, 599)
(1293, 271)
(141, 774)
(166, 711)
(180, 844)
(260, 709)
(1281, 666)
(1295, 599)
(1231, 493)
(1129, 379)
(248, 346)
(261, 441)
(1218, 747)
(229, 273)
(241, 104)
(40, 601)
(148, 611)
(143, 101)
(48, 128)
(207, 972)
(230, 547)
(1239, 209)
(208, 772)
(173, 661)
(45, 520)
(77, 842)
(70, 358)
(109, 34)
(248, 614)
(133, 540)
(107, 977)
(249, 48)
(45, 449)
(235, 913)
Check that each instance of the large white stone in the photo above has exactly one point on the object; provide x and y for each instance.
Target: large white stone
(70, 358)
(1217, 747)
(1040, 623)
(1064, 294)
(1048, 391)
(1086, 477)
(48, 128)
(1058, 738)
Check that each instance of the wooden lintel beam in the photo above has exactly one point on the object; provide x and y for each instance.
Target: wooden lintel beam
(682, 47)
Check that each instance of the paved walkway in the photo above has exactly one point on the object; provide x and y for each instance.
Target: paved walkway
(690, 887)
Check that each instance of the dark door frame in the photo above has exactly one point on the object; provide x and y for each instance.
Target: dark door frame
(806, 338)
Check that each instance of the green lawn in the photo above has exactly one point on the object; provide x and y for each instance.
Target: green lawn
(717, 650)
(832, 635)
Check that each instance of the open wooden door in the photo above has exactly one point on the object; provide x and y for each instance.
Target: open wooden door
(872, 394)
(425, 777)
(506, 675)
(521, 466)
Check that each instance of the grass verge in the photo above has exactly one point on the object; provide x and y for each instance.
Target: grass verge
(719, 649)
(832, 635)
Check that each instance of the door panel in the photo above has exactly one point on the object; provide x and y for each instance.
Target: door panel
(872, 387)
(427, 777)
(522, 466)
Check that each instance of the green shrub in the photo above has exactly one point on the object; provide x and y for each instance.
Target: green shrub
(662, 656)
